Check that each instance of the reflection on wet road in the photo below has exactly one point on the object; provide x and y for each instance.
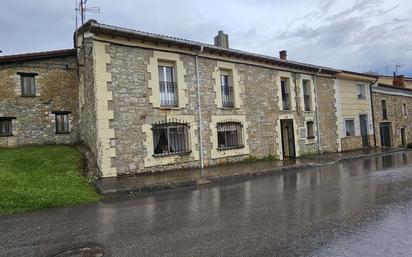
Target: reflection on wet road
(356, 208)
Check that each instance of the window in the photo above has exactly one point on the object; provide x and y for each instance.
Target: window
(227, 89)
(404, 109)
(306, 95)
(384, 110)
(361, 91)
(6, 127)
(168, 86)
(284, 83)
(350, 128)
(229, 135)
(310, 130)
(62, 122)
(170, 138)
(28, 84)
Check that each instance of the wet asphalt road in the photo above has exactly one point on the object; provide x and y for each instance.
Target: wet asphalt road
(356, 208)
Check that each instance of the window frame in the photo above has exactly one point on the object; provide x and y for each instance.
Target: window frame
(170, 87)
(307, 103)
(229, 103)
(239, 135)
(64, 123)
(9, 125)
(31, 87)
(308, 136)
(384, 109)
(346, 128)
(186, 143)
(404, 109)
(361, 95)
(283, 90)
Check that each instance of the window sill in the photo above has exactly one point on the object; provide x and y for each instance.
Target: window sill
(230, 148)
(63, 132)
(28, 96)
(229, 108)
(169, 108)
(171, 154)
(6, 135)
(310, 138)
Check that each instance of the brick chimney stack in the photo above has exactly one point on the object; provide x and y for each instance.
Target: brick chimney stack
(222, 39)
(283, 54)
(398, 81)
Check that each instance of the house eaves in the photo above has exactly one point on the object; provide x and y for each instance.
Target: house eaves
(99, 28)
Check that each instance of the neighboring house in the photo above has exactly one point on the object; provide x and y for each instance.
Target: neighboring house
(39, 98)
(162, 103)
(354, 110)
(406, 82)
(392, 106)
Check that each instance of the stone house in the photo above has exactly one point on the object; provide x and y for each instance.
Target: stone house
(143, 102)
(39, 98)
(354, 110)
(392, 105)
(161, 103)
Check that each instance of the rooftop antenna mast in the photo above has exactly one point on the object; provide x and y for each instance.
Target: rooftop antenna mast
(397, 66)
(81, 8)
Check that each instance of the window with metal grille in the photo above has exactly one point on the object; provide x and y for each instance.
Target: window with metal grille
(168, 86)
(306, 95)
(227, 89)
(310, 130)
(229, 135)
(350, 128)
(28, 84)
(62, 122)
(284, 83)
(384, 110)
(361, 91)
(6, 127)
(171, 138)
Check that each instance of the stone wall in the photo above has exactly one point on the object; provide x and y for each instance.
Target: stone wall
(56, 90)
(87, 97)
(327, 114)
(258, 91)
(395, 116)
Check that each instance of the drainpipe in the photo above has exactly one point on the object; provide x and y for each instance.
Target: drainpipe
(199, 108)
(372, 112)
(315, 89)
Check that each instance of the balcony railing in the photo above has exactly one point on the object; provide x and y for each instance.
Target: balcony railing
(227, 97)
(168, 94)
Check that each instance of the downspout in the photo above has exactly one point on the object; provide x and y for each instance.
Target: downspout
(199, 109)
(315, 89)
(373, 114)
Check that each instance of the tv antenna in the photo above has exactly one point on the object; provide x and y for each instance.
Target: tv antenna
(397, 66)
(81, 9)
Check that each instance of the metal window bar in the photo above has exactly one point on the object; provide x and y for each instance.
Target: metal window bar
(168, 87)
(227, 92)
(170, 139)
(384, 110)
(306, 96)
(230, 135)
(285, 95)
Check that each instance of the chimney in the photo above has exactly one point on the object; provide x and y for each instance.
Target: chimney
(283, 54)
(399, 81)
(222, 39)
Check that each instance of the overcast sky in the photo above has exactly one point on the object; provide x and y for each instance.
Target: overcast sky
(359, 35)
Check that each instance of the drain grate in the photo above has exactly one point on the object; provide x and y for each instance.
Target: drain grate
(82, 252)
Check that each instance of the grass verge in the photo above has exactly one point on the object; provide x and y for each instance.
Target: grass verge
(38, 177)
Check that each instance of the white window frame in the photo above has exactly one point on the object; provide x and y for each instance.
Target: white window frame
(359, 91)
